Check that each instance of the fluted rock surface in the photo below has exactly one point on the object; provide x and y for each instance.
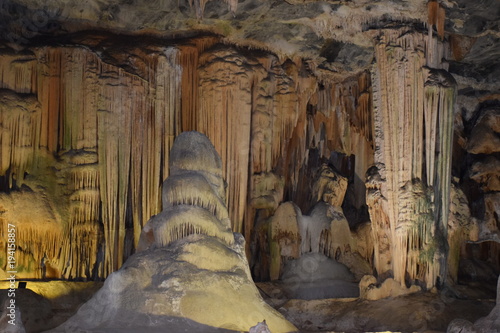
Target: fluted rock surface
(89, 124)
(408, 189)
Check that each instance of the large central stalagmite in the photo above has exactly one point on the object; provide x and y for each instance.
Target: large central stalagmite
(191, 273)
(408, 189)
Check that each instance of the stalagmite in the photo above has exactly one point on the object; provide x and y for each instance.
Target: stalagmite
(191, 272)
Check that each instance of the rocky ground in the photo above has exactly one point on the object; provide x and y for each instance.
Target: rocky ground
(421, 312)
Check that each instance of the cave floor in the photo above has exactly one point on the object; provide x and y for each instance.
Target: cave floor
(45, 307)
(420, 312)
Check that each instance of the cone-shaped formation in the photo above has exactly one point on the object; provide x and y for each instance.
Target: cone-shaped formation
(192, 195)
(191, 273)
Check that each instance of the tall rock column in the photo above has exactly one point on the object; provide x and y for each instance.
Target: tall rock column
(408, 189)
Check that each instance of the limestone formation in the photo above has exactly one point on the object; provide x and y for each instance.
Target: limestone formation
(484, 138)
(324, 230)
(284, 237)
(191, 273)
(408, 192)
(329, 187)
(461, 228)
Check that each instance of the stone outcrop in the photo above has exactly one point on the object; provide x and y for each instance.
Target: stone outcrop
(324, 230)
(329, 187)
(370, 289)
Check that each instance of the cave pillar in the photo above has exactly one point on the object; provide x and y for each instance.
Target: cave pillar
(408, 189)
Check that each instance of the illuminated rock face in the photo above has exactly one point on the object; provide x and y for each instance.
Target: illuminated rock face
(81, 153)
(89, 129)
(191, 273)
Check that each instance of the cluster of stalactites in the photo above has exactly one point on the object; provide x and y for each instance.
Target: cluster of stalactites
(19, 120)
(436, 17)
(82, 105)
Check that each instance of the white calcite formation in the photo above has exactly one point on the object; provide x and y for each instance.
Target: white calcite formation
(315, 276)
(324, 231)
(191, 273)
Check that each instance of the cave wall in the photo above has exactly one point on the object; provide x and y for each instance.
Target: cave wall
(89, 129)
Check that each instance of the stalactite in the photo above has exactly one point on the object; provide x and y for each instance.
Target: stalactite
(38, 234)
(19, 120)
(18, 72)
(189, 61)
(432, 8)
(341, 122)
(112, 120)
(225, 96)
(441, 17)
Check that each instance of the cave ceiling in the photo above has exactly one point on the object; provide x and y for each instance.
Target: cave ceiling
(336, 36)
